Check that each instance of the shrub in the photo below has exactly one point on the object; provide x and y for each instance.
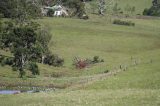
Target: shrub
(54, 60)
(3, 62)
(153, 11)
(6, 61)
(89, 61)
(9, 61)
(1, 58)
(96, 59)
(80, 63)
(120, 22)
(145, 12)
(49, 59)
(50, 13)
(102, 60)
(58, 61)
(106, 71)
(33, 67)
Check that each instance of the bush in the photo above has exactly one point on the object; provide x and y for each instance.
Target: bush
(120, 22)
(1, 58)
(3, 62)
(50, 13)
(96, 59)
(145, 12)
(9, 61)
(102, 60)
(153, 11)
(54, 60)
(106, 71)
(33, 67)
(6, 61)
(49, 59)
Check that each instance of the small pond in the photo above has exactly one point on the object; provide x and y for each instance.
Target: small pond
(9, 91)
(15, 91)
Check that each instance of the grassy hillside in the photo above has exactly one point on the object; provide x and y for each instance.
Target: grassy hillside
(135, 49)
(117, 45)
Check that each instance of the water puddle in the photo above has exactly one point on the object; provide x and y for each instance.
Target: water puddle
(24, 91)
(9, 92)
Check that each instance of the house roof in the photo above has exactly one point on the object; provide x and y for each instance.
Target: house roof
(56, 7)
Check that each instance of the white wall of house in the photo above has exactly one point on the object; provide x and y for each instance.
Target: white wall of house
(58, 13)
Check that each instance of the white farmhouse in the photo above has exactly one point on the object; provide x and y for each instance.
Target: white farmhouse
(58, 10)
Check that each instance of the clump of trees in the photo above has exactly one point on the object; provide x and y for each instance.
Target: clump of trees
(21, 40)
(9, 8)
(154, 10)
(26, 40)
(76, 6)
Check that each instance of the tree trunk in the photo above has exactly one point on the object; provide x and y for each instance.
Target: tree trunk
(43, 57)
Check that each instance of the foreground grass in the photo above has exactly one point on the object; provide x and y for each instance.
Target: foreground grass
(122, 97)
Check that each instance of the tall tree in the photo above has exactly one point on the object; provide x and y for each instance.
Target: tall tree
(21, 36)
(13, 8)
(7, 8)
(21, 40)
(102, 7)
(77, 6)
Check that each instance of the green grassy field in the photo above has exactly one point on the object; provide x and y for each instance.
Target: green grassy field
(121, 97)
(139, 85)
(135, 48)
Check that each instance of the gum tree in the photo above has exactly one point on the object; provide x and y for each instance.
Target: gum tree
(20, 35)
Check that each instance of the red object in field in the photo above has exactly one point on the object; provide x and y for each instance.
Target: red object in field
(81, 64)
